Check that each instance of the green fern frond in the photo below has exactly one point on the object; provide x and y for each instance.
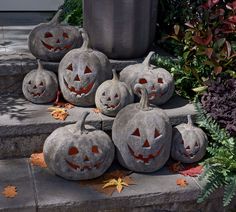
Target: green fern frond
(230, 191)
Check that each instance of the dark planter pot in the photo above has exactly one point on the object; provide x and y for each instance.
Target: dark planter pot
(122, 29)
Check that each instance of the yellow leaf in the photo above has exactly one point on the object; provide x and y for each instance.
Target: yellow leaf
(119, 187)
(111, 182)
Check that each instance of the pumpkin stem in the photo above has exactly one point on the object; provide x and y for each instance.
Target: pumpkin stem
(147, 60)
(85, 39)
(190, 121)
(80, 125)
(115, 75)
(56, 17)
(144, 103)
(40, 66)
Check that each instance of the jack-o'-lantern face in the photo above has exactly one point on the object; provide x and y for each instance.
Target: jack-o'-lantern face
(110, 99)
(79, 151)
(56, 40)
(51, 41)
(40, 86)
(84, 160)
(156, 84)
(78, 80)
(189, 143)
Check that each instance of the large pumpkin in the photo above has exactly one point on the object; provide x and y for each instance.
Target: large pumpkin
(158, 81)
(189, 143)
(51, 41)
(81, 71)
(113, 95)
(142, 135)
(40, 86)
(78, 151)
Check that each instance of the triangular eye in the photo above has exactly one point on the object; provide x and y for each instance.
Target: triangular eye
(65, 35)
(160, 80)
(73, 151)
(136, 133)
(142, 81)
(41, 84)
(156, 134)
(30, 83)
(196, 145)
(87, 70)
(48, 35)
(70, 67)
(95, 149)
(103, 94)
(116, 96)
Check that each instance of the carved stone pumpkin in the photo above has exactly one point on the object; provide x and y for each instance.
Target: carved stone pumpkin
(189, 143)
(142, 135)
(78, 151)
(113, 95)
(81, 71)
(51, 41)
(40, 86)
(158, 82)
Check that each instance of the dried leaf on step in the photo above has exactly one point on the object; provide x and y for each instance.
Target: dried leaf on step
(119, 184)
(176, 167)
(68, 106)
(58, 113)
(192, 171)
(10, 191)
(65, 105)
(181, 182)
(37, 159)
(96, 110)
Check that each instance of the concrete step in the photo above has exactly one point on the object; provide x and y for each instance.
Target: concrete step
(40, 190)
(24, 126)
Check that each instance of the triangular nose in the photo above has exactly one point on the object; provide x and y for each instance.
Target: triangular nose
(86, 158)
(77, 78)
(58, 41)
(146, 144)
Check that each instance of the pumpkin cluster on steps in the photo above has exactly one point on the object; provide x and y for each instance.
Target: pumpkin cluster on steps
(51, 41)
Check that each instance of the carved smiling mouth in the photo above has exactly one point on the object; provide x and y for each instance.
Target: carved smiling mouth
(36, 94)
(142, 158)
(56, 49)
(83, 167)
(109, 106)
(82, 91)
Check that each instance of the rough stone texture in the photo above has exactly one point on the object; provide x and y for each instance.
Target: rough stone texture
(17, 173)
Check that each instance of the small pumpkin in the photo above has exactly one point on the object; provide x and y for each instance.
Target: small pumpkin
(189, 143)
(113, 95)
(142, 135)
(158, 81)
(78, 151)
(40, 85)
(51, 41)
(81, 71)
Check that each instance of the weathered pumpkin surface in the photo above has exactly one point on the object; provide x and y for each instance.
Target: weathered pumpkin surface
(158, 81)
(81, 71)
(189, 143)
(78, 151)
(51, 41)
(113, 95)
(142, 135)
(40, 86)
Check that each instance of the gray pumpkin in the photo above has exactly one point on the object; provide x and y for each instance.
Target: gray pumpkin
(40, 86)
(158, 81)
(51, 41)
(81, 71)
(113, 95)
(189, 143)
(78, 151)
(142, 135)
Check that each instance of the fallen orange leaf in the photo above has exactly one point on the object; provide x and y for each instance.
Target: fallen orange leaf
(181, 182)
(37, 159)
(10, 191)
(192, 171)
(68, 106)
(96, 110)
(58, 113)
